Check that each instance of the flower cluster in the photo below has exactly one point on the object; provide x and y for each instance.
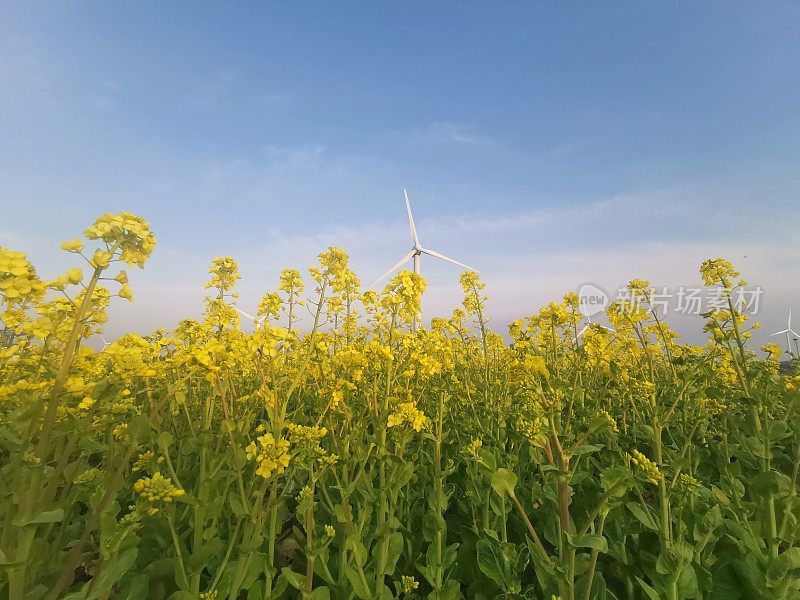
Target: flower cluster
(408, 584)
(270, 455)
(719, 272)
(408, 413)
(147, 461)
(157, 489)
(534, 430)
(19, 286)
(126, 232)
(472, 448)
(224, 273)
(87, 476)
(305, 436)
(612, 423)
(403, 295)
(689, 483)
(17, 276)
(648, 467)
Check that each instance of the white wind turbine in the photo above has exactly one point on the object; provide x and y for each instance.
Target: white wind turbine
(256, 321)
(788, 331)
(589, 323)
(416, 251)
(106, 344)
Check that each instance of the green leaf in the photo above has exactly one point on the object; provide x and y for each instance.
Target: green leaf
(165, 440)
(321, 593)
(751, 575)
(673, 559)
(651, 593)
(706, 525)
(726, 584)
(589, 540)
(279, 588)
(504, 482)
(136, 588)
(432, 523)
(36, 592)
(449, 555)
(503, 563)
(359, 588)
(206, 553)
(235, 502)
(395, 549)
(585, 449)
(765, 482)
(721, 497)
(48, 516)
(687, 583)
(451, 590)
(296, 580)
(643, 516)
(256, 591)
(112, 573)
(779, 430)
(598, 425)
(9, 440)
(616, 478)
(354, 544)
(139, 428)
(780, 566)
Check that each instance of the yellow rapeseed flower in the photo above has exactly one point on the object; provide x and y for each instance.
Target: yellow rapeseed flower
(270, 455)
(648, 467)
(408, 413)
(157, 489)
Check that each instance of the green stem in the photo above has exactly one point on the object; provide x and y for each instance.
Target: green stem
(593, 560)
(178, 552)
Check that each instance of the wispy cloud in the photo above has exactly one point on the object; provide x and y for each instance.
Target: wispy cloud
(214, 88)
(446, 133)
(275, 99)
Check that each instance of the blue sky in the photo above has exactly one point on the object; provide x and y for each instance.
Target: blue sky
(549, 144)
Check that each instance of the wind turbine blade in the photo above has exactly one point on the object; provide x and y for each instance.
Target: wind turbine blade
(396, 266)
(448, 259)
(582, 331)
(249, 316)
(789, 324)
(780, 332)
(793, 332)
(414, 236)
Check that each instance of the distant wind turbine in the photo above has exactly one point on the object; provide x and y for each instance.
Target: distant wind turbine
(416, 251)
(589, 323)
(788, 331)
(256, 321)
(105, 341)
